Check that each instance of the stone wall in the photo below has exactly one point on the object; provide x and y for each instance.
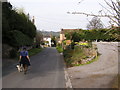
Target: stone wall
(92, 54)
(6, 50)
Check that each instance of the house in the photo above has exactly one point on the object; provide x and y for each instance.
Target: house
(64, 31)
(47, 40)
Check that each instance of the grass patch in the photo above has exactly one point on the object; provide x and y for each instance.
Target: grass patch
(34, 51)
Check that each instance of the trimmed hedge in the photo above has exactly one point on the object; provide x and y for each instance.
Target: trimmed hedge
(17, 38)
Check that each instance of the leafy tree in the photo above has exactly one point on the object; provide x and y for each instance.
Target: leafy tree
(53, 40)
(75, 37)
(68, 36)
(16, 26)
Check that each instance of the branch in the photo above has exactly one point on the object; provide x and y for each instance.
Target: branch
(106, 9)
(91, 14)
(113, 6)
(113, 20)
(108, 16)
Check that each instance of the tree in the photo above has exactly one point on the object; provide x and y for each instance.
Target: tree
(17, 29)
(112, 12)
(95, 23)
(75, 37)
(39, 37)
(53, 40)
(68, 36)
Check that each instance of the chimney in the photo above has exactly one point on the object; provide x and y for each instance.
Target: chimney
(33, 20)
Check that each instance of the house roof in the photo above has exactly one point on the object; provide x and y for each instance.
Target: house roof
(47, 36)
(63, 31)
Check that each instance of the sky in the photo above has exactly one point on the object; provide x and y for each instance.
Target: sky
(51, 15)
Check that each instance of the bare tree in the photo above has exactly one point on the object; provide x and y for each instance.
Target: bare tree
(113, 12)
(39, 37)
(95, 23)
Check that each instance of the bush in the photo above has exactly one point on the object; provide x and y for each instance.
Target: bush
(67, 53)
(72, 45)
(83, 44)
(60, 49)
(75, 56)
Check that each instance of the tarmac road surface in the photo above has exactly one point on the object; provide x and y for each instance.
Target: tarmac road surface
(99, 74)
(47, 71)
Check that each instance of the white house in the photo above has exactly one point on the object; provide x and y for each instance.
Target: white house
(47, 38)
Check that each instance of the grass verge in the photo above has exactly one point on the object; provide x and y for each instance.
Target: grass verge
(34, 51)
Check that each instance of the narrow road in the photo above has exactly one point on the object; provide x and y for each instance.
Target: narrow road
(47, 71)
(99, 74)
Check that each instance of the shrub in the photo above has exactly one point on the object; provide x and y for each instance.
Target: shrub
(60, 49)
(72, 45)
(75, 56)
(83, 44)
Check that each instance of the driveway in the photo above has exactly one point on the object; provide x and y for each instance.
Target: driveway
(100, 73)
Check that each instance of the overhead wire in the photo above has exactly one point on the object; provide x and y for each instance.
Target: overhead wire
(54, 22)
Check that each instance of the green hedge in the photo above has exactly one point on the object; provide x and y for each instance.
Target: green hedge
(17, 38)
(17, 27)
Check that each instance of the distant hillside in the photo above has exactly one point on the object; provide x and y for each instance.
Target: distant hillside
(46, 33)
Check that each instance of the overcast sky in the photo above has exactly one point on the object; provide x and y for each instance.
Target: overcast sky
(51, 15)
